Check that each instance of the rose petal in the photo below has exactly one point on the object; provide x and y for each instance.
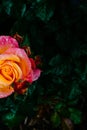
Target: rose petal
(4, 81)
(16, 71)
(29, 77)
(25, 63)
(7, 42)
(33, 75)
(36, 74)
(5, 91)
(8, 57)
(32, 63)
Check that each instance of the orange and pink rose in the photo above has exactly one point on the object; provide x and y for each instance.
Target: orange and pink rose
(16, 68)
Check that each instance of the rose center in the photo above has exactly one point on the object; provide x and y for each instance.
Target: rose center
(7, 72)
(7, 69)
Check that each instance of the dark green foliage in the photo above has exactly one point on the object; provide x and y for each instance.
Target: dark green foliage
(57, 31)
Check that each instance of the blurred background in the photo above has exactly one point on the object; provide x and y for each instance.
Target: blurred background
(56, 31)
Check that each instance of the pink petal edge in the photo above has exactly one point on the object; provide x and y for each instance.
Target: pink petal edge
(4, 94)
(36, 74)
(8, 41)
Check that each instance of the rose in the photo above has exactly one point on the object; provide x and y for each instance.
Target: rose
(15, 67)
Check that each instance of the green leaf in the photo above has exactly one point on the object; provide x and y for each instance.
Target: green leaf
(23, 9)
(31, 89)
(7, 5)
(55, 118)
(75, 115)
(26, 41)
(20, 9)
(44, 11)
(12, 119)
(59, 106)
(56, 60)
(75, 91)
